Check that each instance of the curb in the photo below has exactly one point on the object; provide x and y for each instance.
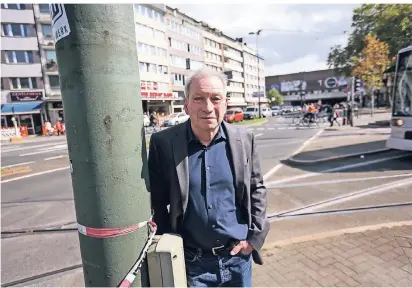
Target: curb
(323, 235)
(251, 125)
(377, 151)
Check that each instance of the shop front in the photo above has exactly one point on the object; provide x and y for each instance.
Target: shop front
(159, 102)
(55, 111)
(26, 108)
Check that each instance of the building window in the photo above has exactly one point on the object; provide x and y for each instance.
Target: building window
(16, 57)
(44, 8)
(194, 49)
(148, 12)
(16, 30)
(178, 79)
(54, 81)
(176, 61)
(144, 30)
(23, 83)
(195, 65)
(14, 6)
(160, 35)
(47, 32)
(2, 83)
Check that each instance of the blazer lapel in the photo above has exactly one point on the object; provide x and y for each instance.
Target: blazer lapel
(239, 162)
(179, 143)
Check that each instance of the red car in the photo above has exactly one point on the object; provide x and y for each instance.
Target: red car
(233, 115)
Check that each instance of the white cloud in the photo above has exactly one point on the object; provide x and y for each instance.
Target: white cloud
(309, 62)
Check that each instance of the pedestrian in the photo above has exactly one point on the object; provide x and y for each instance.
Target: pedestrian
(208, 171)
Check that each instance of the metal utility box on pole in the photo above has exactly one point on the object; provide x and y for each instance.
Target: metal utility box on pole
(100, 86)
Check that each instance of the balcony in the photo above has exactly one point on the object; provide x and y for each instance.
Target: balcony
(21, 70)
(232, 67)
(235, 89)
(19, 43)
(232, 55)
(17, 16)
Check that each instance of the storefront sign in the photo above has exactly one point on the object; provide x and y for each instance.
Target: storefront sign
(157, 95)
(26, 96)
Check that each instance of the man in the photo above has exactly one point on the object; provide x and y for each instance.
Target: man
(153, 119)
(208, 172)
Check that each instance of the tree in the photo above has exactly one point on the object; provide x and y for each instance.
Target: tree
(390, 23)
(370, 64)
(274, 97)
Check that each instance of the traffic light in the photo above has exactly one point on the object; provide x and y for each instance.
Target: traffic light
(358, 84)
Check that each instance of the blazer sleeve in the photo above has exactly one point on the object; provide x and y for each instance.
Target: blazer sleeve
(260, 224)
(158, 188)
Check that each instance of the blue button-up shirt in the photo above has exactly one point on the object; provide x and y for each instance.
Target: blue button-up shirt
(212, 217)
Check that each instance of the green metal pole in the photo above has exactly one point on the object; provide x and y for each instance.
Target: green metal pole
(99, 78)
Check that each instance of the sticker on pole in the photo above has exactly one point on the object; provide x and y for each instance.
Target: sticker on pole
(60, 24)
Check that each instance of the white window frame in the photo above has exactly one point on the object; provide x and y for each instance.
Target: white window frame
(9, 30)
(19, 85)
(26, 56)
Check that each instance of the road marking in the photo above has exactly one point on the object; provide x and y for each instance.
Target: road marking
(5, 150)
(42, 151)
(271, 128)
(55, 157)
(342, 168)
(278, 144)
(335, 181)
(19, 164)
(13, 171)
(34, 174)
(346, 197)
(278, 166)
(260, 129)
(257, 135)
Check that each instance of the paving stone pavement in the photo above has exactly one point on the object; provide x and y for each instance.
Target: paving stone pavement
(372, 258)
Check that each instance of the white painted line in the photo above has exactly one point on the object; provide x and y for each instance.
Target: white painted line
(257, 135)
(42, 151)
(271, 128)
(351, 196)
(260, 129)
(6, 150)
(55, 157)
(35, 174)
(282, 128)
(335, 181)
(19, 164)
(341, 168)
(278, 166)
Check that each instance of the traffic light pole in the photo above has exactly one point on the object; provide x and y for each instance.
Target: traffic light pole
(99, 78)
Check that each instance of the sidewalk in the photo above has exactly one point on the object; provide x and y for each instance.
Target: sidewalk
(366, 137)
(370, 258)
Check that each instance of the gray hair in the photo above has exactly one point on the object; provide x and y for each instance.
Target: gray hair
(205, 72)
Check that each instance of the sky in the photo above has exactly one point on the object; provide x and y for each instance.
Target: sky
(298, 36)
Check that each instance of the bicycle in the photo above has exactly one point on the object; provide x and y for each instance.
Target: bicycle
(305, 121)
(297, 119)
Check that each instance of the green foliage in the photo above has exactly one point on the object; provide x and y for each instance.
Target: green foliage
(390, 23)
(274, 97)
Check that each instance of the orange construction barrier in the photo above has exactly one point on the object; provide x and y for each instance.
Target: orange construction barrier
(24, 132)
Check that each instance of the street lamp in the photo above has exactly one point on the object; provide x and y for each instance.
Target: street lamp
(257, 33)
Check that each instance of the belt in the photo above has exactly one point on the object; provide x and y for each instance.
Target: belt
(223, 250)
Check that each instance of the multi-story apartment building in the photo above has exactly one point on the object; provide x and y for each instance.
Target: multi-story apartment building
(152, 46)
(185, 50)
(170, 46)
(22, 88)
(254, 74)
(53, 99)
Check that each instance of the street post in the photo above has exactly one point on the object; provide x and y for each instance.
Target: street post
(99, 76)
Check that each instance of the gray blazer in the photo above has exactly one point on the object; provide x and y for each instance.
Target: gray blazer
(169, 181)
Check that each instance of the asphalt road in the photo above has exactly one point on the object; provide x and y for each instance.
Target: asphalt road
(302, 200)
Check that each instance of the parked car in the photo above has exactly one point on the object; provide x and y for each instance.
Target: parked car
(287, 109)
(251, 112)
(146, 121)
(276, 110)
(234, 115)
(176, 118)
(265, 111)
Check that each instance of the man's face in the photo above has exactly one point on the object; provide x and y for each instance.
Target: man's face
(206, 105)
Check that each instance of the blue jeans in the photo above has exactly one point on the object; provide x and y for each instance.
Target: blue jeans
(207, 270)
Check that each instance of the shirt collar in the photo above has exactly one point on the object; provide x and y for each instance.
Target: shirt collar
(191, 136)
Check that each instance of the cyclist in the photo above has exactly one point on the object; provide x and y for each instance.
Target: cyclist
(311, 111)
